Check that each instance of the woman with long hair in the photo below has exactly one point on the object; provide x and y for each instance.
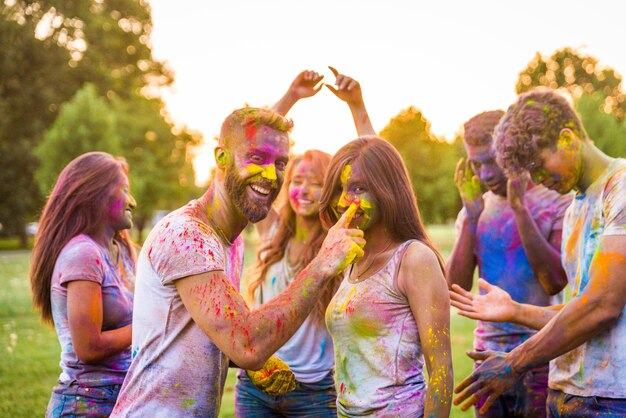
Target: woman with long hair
(82, 279)
(391, 311)
(289, 239)
(296, 239)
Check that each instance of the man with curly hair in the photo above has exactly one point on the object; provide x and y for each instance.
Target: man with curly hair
(586, 337)
(512, 232)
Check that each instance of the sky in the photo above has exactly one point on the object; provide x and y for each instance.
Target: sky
(450, 59)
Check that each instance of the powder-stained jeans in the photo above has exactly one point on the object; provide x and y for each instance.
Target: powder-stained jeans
(75, 401)
(307, 400)
(563, 405)
(527, 399)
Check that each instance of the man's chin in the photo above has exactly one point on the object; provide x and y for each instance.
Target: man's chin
(256, 214)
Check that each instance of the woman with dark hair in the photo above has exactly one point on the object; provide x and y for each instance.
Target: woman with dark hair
(82, 279)
(391, 310)
(290, 238)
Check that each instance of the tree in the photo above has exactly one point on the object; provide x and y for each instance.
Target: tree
(33, 84)
(159, 156)
(577, 73)
(430, 162)
(85, 123)
(607, 132)
(108, 41)
(50, 49)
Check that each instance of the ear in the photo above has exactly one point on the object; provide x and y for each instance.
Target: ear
(567, 137)
(220, 157)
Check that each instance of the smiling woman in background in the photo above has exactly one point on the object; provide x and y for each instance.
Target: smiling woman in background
(82, 278)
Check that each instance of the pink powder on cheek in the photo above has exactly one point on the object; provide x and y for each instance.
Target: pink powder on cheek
(294, 193)
(117, 207)
(293, 197)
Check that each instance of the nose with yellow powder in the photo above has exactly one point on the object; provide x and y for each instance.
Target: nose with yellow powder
(267, 172)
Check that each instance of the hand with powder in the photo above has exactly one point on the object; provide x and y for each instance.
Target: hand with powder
(494, 305)
(516, 189)
(275, 378)
(349, 90)
(306, 84)
(341, 247)
(491, 379)
(469, 188)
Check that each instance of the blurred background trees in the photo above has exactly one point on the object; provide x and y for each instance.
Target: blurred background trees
(77, 76)
(430, 162)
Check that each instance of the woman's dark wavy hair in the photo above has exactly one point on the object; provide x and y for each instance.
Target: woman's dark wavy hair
(77, 205)
(387, 179)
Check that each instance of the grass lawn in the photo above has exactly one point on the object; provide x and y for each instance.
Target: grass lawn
(29, 358)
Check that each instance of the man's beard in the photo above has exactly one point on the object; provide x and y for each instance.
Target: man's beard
(236, 188)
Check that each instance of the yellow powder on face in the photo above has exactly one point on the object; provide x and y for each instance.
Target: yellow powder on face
(365, 204)
(345, 174)
(254, 169)
(267, 172)
(343, 200)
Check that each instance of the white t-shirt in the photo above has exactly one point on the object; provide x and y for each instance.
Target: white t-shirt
(176, 370)
(598, 366)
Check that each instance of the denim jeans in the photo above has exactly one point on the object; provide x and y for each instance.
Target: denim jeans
(307, 400)
(564, 405)
(76, 401)
(527, 399)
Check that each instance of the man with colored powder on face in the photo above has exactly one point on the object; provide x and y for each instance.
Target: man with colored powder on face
(586, 337)
(512, 232)
(189, 319)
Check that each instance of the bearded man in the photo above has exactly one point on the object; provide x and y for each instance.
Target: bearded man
(189, 319)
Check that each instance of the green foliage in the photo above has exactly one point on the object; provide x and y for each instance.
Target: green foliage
(430, 162)
(578, 73)
(607, 132)
(49, 50)
(33, 84)
(161, 171)
(85, 123)
(108, 41)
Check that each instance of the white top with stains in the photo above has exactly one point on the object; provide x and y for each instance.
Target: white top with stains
(176, 369)
(597, 367)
